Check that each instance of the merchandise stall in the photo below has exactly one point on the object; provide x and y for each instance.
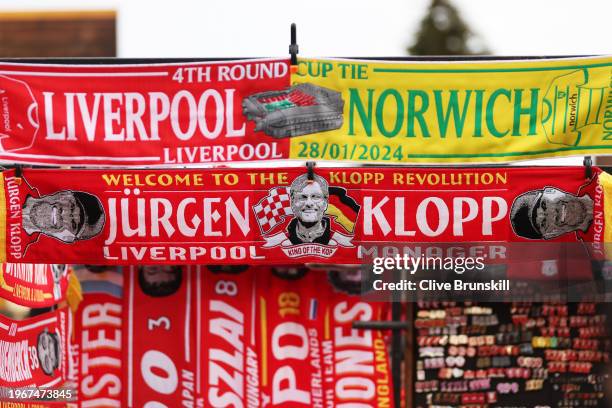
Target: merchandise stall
(166, 276)
(496, 354)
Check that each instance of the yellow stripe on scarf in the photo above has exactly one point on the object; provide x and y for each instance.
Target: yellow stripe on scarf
(3, 283)
(341, 218)
(74, 292)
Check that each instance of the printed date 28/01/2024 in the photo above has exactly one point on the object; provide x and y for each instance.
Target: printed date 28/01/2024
(334, 151)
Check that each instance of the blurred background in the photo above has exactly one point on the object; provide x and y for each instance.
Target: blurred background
(243, 28)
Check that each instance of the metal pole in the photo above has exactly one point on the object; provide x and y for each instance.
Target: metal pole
(397, 354)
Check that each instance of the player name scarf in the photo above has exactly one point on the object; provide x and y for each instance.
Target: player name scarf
(279, 216)
(35, 352)
(97, 351)
(250, 337)
(97, 343)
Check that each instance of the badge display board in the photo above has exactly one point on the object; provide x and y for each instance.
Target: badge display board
(496, 354)
(279, 216)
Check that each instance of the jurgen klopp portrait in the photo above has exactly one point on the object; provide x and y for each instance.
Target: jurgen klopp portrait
(309, 200)
(549, 213)
(48, 351)
(160, 280)
(58, 271)
(66, 215)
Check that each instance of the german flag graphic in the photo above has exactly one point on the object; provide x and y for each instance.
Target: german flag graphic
(343, 208)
